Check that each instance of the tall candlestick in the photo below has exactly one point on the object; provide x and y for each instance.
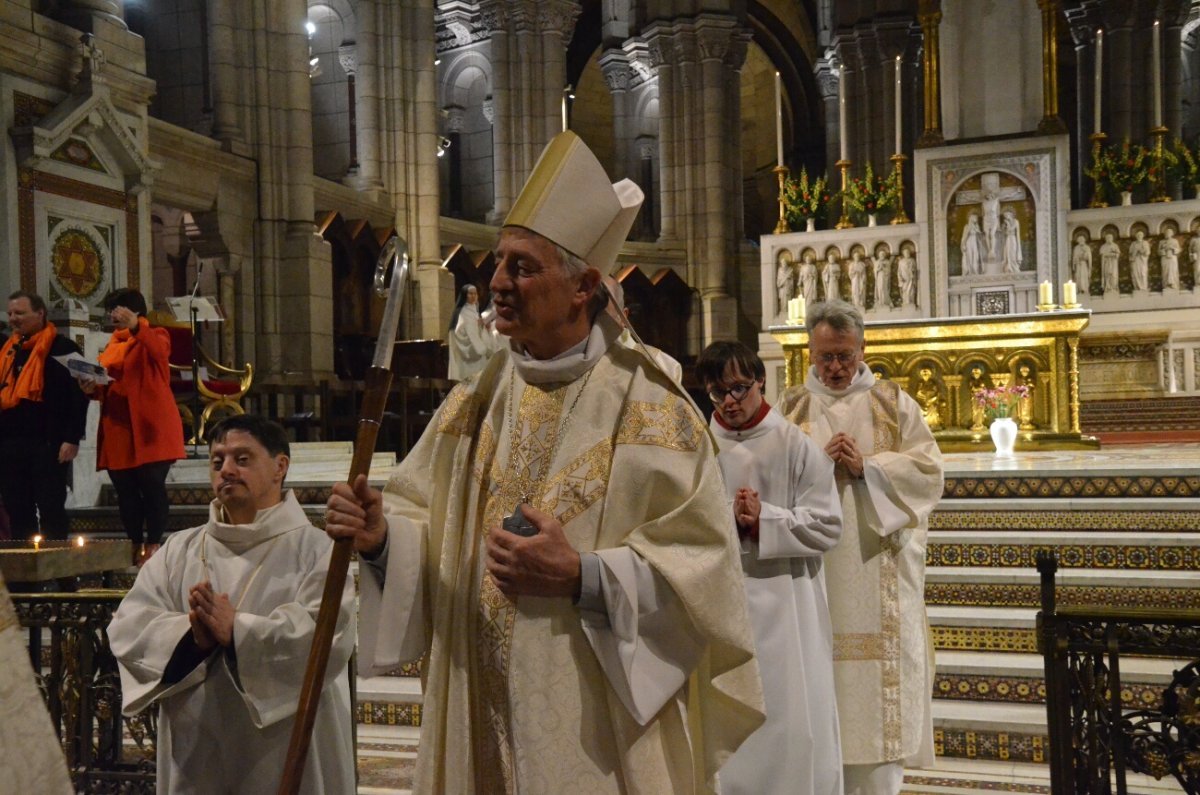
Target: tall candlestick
(1156, 74)
(1099, 82)
(899, 111)
(845, 147)
(778, 121)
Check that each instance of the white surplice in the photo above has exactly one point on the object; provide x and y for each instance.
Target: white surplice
(797, 750)
(536, 695)
(883, 660)
(224, 727)
(470, 344)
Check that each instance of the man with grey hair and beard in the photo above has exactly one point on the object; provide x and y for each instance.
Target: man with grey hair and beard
(889, 479)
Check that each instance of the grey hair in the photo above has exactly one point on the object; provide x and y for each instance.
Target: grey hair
(573, 265)
(841, 316)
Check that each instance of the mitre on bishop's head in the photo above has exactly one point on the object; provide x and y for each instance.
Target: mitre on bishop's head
(569, 200)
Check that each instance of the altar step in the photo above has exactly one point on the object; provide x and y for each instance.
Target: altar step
(1171, 413)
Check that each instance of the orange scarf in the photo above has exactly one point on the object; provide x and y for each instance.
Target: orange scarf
(29, 384)
(112, 358)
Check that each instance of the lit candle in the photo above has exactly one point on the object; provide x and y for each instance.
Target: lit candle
(778, 121)
(1068, 293)
(37, 542)
(1099, 81)
(79, 541)
(1156, 75)
(899, 112)
(845, 145)
(1045, 293)
(564, 111)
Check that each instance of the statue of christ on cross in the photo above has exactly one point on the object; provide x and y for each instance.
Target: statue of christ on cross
(989, 196)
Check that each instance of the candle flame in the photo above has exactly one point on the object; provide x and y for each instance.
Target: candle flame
(37, 541)
(79, 541)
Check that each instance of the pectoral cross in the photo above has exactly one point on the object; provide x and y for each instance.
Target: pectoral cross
(989, 196)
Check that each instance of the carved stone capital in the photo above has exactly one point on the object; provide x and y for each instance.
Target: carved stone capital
(614, 64)
(493, 16)
(647, 146)
(348, 58)
(455, 118)
(489, 110)
(827, 77)
(558, 16)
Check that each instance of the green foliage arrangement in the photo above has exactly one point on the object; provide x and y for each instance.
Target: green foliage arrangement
(870, 194)
(1186, 165)
(804, 198)
(1123, 168)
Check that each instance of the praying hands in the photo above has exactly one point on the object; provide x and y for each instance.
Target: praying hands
(844, 451)
(211, 615)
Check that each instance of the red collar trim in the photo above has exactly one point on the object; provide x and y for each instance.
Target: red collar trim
(759, 416)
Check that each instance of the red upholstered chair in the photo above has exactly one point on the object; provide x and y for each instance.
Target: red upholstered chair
(220, 389)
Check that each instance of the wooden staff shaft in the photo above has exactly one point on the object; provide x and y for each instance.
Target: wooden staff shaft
(379, 382)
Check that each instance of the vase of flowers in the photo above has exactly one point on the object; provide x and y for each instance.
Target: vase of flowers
(869, 194)
(1000, 404)
(1124, 168)
(1185, 164)
(804, 200)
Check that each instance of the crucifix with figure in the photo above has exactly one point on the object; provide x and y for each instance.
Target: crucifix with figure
(989, 196)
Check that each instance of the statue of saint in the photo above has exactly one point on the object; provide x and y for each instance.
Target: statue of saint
(858, 280)
(1081, 265)
(830, 276)
(928, 395)
(976, 383)
(1012, 242)
(1194, 258)
(991, 225)
(785, 282)
(906, 273)
(1110, 258)
(1025, 377)
(971, 254)
(1139, 262)
(883, 279)
(808, 278)
(1168, 259)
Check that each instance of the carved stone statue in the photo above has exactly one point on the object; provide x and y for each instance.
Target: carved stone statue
(858, 280)
(1012, 242)
(1081, 265)
(906, 273)
(1025, 377)
(1194, 258)
(977, 382)
(1110, 259)
(991, 224)
(1168, 259)
(808, 278)
(830, 276)
(1139, 262)
(972, 256)
(785, 282)
(883, 279)
(929, 396)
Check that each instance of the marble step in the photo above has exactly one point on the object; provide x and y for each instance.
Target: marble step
(967, 586)
(962, 776)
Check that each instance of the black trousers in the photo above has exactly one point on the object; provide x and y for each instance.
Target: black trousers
(33, 486)
(142, 500)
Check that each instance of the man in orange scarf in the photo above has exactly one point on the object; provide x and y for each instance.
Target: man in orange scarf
(42, 416)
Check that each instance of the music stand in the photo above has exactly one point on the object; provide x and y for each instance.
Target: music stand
(192, 309)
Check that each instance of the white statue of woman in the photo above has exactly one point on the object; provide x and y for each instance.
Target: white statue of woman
(785, 282)
(1139, 262)
(1194, 258)
(808, 278)
(1081, 264)
(1110, 258)
(971, 262)
(1168, 258)
(906, 273)
(1012, 242)
(858, 280)
(883, 279)
(830, 276)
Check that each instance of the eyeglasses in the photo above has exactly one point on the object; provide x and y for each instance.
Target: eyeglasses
(840, 358)
(738, 392)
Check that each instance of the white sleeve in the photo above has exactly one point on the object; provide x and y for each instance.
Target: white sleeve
(812, 525)
(393, 612)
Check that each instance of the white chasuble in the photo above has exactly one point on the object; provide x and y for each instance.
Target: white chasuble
(797, 751)
(533, 695)
(225, 726)
(883, 659)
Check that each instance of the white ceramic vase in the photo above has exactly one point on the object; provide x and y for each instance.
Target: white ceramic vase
(1126, 198)
(871, 219)
(1004, 436)
(811, 225)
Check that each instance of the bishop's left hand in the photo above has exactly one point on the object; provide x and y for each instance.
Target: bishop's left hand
(541, 565)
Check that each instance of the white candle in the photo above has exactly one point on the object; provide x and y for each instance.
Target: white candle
(1156, 75)
(778, 121)
(899, 111)
(1099, 82)
(845, 145)
(1068, 293)
(37, 542)
(564, 111)
(1045, 293)
(801, 309)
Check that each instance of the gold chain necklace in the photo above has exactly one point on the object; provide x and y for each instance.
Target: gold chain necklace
(564, 425)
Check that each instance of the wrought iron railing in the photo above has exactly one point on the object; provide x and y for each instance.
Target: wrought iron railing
(78, 676)
(1096, 738)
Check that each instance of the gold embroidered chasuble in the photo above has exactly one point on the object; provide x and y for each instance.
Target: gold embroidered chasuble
(516, 699)
(883, 660)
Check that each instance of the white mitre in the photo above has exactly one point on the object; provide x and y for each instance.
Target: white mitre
(569, 200)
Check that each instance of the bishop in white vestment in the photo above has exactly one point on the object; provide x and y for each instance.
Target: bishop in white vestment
(889, 477)
(225, 712)
(788, 516)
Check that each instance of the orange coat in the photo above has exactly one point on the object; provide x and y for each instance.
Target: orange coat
(139, 422)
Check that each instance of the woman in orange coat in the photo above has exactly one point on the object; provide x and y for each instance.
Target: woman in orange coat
(140, 431)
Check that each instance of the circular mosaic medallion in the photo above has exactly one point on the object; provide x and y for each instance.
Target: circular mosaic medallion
(77, 262)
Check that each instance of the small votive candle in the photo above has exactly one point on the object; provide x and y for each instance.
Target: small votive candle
(1069, 295)
(37, 542)
(1045, 293)
(79, 542)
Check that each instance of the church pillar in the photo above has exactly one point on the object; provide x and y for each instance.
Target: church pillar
(1120, 93)
(930, 17)
(365, 176)
(1173, 75)
(348, 58)
(1051, 123)
(827, 85)
(222, 59)
(85, 14)
(495, 19)
(556, 22)
(1083, 36)
(662, 61)
(614, 64)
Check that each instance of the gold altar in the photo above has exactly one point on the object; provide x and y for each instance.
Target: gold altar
(942, 362)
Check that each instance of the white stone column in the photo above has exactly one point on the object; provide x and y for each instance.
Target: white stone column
(614, 64)
(367, 98)
(662, 61)
(494, 15)
(222, 60)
